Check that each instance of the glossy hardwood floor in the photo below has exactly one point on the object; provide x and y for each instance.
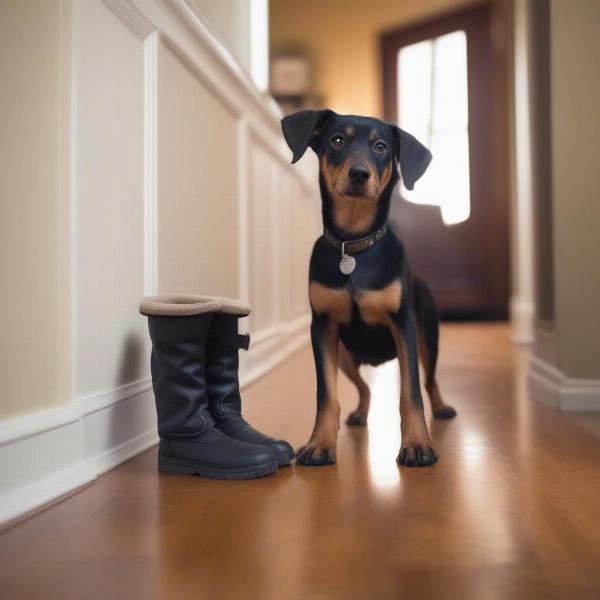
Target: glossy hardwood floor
(512, 510)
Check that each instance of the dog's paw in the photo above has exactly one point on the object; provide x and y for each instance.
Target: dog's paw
(315, 455)
(356, 419)
(445, 412)
(415, 455)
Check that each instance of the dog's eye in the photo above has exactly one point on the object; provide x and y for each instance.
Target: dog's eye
(380, 146)
(337, 140)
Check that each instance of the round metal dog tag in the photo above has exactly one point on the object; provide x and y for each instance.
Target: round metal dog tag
(347, 264)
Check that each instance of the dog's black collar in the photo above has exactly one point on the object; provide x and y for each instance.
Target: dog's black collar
(354, 246)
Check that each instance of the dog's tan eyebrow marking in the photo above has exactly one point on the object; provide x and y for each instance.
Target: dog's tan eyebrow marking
(349, 130)
(373, 136)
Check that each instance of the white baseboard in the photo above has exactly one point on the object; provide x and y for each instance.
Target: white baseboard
(521, 320)
(36, 493)
(37, 466)
(50, 453)
(549, 385)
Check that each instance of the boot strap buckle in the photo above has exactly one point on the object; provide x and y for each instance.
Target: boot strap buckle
(234, 340)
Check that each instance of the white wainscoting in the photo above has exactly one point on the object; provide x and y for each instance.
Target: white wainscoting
(124, 223)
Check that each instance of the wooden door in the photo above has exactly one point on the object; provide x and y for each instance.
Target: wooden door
(465, 264)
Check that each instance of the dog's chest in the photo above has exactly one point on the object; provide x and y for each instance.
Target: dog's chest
(375, 307)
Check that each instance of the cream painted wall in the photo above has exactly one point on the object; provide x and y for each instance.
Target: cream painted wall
(575, 85)
(342, 39)
(78, 183)
(34, 304)
(564, 369)
(198, 185)
(111, 343)
(263, 221)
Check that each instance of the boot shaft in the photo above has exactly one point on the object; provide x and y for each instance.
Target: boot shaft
(222, 366)
(179, 326)
(178, 373)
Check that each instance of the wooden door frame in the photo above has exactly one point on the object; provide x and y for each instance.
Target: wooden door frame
(491, 100)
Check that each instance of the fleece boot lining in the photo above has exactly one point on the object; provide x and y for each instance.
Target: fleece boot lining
(184, 305)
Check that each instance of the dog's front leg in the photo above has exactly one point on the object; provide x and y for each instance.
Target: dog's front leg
(320, 449)
(417, 448)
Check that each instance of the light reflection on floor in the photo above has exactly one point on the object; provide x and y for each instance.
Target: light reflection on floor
(384, 424)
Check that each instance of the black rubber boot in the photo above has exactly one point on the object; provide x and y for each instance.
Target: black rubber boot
(189, 441)
(222, 365)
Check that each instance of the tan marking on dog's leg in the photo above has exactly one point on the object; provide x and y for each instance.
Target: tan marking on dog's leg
(349, 367)
(413, 421)
(439, 408)
(321, 448)
(417, 446)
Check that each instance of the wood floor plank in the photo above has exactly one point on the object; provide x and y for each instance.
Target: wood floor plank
(512, 510)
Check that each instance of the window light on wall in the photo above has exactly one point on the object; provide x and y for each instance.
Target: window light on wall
(433, 106)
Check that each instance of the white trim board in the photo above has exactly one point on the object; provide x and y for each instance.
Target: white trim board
(549, 385)
(151, 164)
(47, 454)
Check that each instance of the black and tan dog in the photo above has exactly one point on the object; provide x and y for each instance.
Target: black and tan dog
(366, 306)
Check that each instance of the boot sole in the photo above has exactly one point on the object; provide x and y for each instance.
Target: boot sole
(176, 466)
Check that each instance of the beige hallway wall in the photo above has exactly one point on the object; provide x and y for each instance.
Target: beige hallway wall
(125, 170)
(198, 185)
(575, 48)
(34, 303)
(565, 370)
(137, 157)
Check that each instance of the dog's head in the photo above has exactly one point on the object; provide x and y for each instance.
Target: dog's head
(356, 152)
(359, 159)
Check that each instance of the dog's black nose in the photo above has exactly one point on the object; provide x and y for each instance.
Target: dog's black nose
(359, 174)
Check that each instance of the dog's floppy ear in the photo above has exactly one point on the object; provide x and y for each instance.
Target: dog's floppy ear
(301, 128)
(413, 157)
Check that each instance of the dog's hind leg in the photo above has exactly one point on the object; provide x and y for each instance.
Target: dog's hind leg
(428, 341)
(349, 367)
